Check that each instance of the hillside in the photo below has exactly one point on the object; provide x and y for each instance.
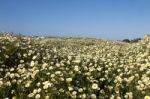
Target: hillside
(80, 68)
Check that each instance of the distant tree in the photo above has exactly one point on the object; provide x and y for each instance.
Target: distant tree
(132, 41)
(135, 40)
(126, 40)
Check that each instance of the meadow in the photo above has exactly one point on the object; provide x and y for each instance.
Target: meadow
(73, 68)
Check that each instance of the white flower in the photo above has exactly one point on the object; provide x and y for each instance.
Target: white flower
(50, 68)
(69, 79)
(12, 69)
(129, 95)
(12, 75)
(31, 95)
(44, 65)
(46, 84)
(146, 97)
(35, 91)
(76, 68)
(83, 96)
(99, 69)
(21, 61)
(77, 61)
(61, 90)
(112, 97)
(8, 83)
(39, 90)
(74, 92)
(93, 96)
(34, 57)
(80, 90)
(38, 84)
(27, 84)
(32, 63)
(37, 96)
(69, 57)
(118, 97)
(47, 97)
(1, 83)
(94, 86)
(142, 85)
(57, 65)
(58, 72)
(45, 87)
(70, 88)
(52, 75)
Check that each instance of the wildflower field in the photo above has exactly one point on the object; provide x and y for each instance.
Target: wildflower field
(73, 68)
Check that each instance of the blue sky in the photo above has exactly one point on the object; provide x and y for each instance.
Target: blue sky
(108, 19)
